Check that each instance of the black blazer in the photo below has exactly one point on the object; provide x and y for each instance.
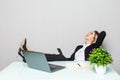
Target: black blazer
(60, 57)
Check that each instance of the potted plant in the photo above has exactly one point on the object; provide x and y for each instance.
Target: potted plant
(101, 58)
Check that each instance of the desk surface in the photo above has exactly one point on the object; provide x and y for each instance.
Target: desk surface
(20, 71)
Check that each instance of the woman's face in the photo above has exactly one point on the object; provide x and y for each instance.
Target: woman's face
(91, 36)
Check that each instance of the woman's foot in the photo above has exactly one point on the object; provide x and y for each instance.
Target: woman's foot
(20, 52)
(22, 47)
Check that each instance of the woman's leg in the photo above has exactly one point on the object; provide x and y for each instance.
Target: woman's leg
(49, 57)
(55, 57)
(22, 47)
(20, 52)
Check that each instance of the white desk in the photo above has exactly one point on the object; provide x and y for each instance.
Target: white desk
(20, 71)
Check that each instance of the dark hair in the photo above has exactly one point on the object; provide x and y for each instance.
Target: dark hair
(96, 35)
(96, 32)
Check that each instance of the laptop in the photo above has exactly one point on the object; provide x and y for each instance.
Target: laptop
(37, 60)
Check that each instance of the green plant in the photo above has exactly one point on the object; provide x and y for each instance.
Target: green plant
(100, 56)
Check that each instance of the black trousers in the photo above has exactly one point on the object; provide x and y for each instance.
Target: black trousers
(56, 57)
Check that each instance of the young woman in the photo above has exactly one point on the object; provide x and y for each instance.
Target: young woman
(81, 53)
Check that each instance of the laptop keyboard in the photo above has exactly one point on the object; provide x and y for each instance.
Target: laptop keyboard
(52, 66)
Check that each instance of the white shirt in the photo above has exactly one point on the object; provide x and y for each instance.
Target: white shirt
(80, 54)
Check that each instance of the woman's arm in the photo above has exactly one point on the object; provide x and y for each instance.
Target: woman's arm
(100, 39)
(61, 57)
(73, 55)
(98, 43)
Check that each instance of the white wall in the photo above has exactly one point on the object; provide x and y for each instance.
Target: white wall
(49, 24)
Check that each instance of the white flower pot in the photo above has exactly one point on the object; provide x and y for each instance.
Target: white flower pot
(100, 69)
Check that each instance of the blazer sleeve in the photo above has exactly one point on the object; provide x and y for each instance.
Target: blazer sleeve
(100, 39)
(73, 55)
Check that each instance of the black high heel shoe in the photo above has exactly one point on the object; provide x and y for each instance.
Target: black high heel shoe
(24, 45)
(22, 48)
(20, 52)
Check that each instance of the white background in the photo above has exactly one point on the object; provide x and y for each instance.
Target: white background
(49, 24)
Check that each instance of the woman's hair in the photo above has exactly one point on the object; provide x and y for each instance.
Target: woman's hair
(96, 35)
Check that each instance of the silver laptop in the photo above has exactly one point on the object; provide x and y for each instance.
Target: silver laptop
(37, 60)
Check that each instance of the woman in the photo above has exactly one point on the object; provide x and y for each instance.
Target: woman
(81, 53)
(93, 40)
